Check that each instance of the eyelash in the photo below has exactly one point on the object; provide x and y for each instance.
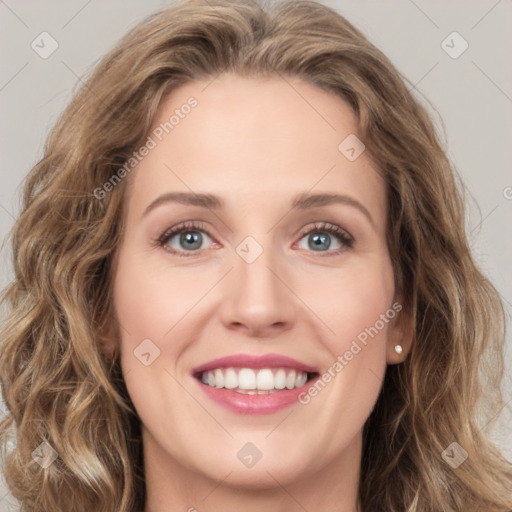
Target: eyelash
(319, 227)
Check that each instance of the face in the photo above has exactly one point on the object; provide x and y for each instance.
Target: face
(257, 320)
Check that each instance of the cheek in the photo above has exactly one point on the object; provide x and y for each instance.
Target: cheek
(351, 302)
(150, 300)
(147, 308)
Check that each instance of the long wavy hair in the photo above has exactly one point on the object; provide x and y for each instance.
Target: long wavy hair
(63, 387)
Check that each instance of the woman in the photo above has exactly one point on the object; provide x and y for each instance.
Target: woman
(243, 282)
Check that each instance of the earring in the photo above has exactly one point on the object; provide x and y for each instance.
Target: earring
(398, 349)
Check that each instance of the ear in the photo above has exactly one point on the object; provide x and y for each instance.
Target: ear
(400, 332)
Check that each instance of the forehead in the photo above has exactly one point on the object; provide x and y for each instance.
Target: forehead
(249, 139)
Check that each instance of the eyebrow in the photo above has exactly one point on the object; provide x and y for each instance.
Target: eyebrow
(302, 201)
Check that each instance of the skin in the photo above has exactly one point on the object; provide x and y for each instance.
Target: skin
(256, 143)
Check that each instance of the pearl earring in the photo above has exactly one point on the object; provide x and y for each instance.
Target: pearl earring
(398, 349)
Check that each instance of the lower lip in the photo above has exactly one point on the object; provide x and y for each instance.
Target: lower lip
(242, 403)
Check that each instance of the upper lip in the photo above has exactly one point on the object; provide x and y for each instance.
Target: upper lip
(252, 361)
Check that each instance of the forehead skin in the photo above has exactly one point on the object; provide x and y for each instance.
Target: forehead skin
(256, 138)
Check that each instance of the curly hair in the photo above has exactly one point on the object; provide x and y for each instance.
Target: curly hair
(63, 387)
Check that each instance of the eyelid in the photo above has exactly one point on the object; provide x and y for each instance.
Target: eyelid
(328, 227)
(190, 225)
(344, 236)
(347, 240)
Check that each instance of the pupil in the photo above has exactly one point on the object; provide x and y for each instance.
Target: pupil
(319, 239)
(189, 238)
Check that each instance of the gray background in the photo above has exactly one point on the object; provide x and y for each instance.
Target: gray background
(470, 100)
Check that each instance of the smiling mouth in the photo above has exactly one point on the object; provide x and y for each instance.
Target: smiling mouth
(251, 381)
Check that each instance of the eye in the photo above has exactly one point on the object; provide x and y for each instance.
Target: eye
(321, 235)
(190, 236)
(187, 237)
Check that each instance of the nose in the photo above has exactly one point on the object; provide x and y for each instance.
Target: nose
(257, 299)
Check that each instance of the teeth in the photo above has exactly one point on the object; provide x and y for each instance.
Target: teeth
(301, 379)
(265, 380)
(290, 379)
(280, 379)
(219, 378)
(246, 379)
(230, 379)
(252, 382)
